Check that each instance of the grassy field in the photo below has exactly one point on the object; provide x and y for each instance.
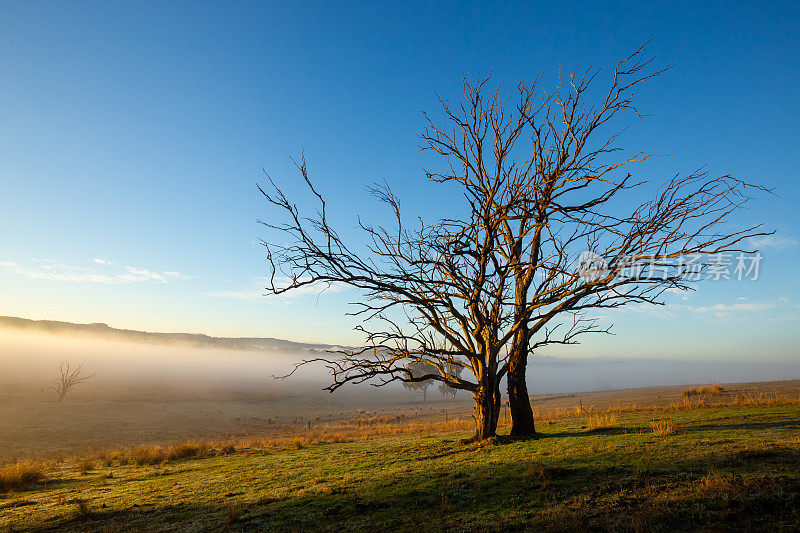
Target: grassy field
(721, 467)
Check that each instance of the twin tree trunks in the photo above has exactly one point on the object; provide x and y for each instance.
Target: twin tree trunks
(488, 404)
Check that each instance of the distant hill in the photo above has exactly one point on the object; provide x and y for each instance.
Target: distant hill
(104, 331)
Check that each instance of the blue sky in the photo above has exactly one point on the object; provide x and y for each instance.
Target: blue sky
(133, 134)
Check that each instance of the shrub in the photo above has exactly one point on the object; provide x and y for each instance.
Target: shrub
(706, 390)
(711, 390)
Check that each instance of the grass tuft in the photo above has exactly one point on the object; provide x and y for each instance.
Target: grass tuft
(233, 513)
(663, 427)
(717, 484)
(85, 465)
(152, 455)
(17, 475)
(82, 509)
(598, 422)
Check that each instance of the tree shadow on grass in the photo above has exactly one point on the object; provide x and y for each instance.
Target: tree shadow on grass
(751, 426)
(511, 439)
(32, 486)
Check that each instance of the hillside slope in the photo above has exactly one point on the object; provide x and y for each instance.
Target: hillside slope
(104, 331)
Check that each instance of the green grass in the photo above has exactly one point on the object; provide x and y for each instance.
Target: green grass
(726, 468)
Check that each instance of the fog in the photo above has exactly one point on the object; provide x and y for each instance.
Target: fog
(29, 361)
(555, 375)
(146, 392)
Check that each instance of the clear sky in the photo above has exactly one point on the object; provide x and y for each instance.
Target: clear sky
(132, 136)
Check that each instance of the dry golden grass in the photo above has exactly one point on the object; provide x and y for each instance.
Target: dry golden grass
(85, 465)
(344, 432)
(142, 455)
(729, 484)
(376, 420)
(764, 400)
(601, 421)
(17, 475)
(715, 483)
(720, 401)
(663, 427)
(148, 455)
(369, 425)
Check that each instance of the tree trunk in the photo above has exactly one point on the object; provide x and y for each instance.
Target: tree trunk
(518, 401)
(486, 413)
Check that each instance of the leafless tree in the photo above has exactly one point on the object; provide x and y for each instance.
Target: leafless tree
(420, 368)
(553, 228)
(446, 390)
(68, 378)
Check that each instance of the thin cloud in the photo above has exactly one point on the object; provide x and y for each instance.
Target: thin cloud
(143, 274)
(257, 290)
(660, 311)
(55, 271)
(733, 310)
(748, 307)
(777, 242)
(101, 261)
(676, 290)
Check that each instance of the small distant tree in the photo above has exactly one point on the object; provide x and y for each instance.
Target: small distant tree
(68, 378)
(418, 370)
(446, 390)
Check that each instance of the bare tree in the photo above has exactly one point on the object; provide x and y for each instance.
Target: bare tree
(68, 378)
(420, 368)
(548, 236)
(446, 390)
